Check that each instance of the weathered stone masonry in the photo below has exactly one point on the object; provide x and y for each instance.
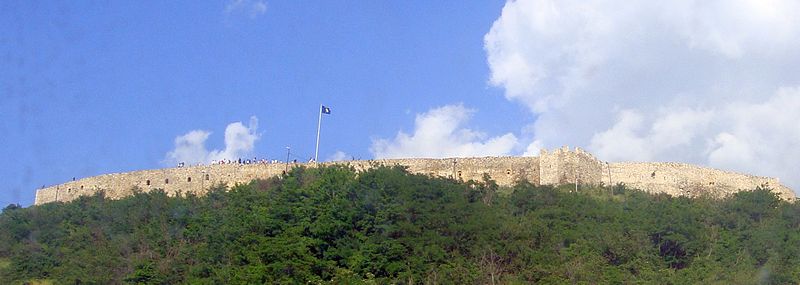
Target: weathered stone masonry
(558, 167)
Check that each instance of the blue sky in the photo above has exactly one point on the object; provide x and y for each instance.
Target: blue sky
(103, 87)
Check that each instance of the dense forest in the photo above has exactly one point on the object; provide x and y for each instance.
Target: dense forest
(386, 226)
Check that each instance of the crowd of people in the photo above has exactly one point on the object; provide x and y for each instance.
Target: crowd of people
(254, 160)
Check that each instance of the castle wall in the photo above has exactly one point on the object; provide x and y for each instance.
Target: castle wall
(558, 167)
(689, 180)
(549, 167)
(562, 166)
(504, 170)
(199, 179)
(195, 179)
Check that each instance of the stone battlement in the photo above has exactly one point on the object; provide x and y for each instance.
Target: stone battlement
(557, 167)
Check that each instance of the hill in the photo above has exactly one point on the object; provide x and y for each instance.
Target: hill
(383, 225)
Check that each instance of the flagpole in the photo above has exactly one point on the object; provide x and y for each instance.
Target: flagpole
(319, 125)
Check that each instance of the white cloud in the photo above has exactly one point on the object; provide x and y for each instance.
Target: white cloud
(251, 8)
(760, 137)
(338, 156)
(631, 139)
(440, 133)
(684, 80)
(190, 148)
(533, 149)
(622, 141)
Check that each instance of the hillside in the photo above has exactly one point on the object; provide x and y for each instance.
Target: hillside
(385, 225)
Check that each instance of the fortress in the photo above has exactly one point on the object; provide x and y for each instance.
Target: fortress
(557, 167)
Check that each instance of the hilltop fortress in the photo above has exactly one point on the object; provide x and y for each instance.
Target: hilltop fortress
(557, 167)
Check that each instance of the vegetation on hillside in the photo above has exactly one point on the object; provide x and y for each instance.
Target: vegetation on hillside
(384, 225)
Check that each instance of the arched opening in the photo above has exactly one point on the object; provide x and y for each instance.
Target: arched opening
(206, 176)
(188, 179)
(166, 181)
(508, 171)
(147, 182)
(459, 174)
(81, 187)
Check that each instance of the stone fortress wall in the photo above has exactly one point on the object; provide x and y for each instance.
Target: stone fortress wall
(557, 167)
(689, 180)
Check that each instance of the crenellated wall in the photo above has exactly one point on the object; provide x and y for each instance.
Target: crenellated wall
(563, 166)
(557, 167)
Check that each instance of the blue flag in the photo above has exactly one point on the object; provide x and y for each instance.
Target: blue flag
(326, 110)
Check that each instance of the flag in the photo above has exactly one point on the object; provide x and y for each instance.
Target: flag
(326, 110)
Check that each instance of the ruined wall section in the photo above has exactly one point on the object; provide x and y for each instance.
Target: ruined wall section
(504, 170)
(558, 167)
(680, 179)
(549, 167)
(562, 166)
(195, 179)
(199, 179)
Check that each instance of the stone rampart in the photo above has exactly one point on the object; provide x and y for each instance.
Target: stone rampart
(199, 179)
(557, 167)
(688, 180)
(562, 166)
(195, 179)
(504, 170)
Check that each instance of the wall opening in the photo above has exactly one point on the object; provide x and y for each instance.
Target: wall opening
(81, 187)
(166, 181)
(147, 182)
(188, 179)
(206, 176)
(508, 171)
(459, 174)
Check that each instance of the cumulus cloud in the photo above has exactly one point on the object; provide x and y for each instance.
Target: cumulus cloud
(760, 137)
(249, 8)
(630, 138)
(338, 156)
(440, 133)
(190, 148)
(708, 82)
(533, 149)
